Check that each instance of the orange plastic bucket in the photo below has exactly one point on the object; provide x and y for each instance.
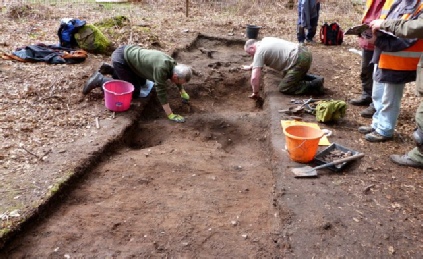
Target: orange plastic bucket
(302, 142)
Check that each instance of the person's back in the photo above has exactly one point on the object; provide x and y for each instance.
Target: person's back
(151, 64)
(276, 53)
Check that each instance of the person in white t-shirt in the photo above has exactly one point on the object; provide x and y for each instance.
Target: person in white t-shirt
(289, 58)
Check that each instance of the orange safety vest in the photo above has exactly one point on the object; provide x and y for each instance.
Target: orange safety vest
(404, 60)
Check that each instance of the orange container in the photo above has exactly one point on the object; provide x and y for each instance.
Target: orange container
(302, 142)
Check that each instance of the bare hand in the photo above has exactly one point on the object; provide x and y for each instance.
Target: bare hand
(259, 100)
(254, 96)
(375, 24)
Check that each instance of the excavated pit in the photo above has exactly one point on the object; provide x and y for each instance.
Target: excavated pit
(175, 189)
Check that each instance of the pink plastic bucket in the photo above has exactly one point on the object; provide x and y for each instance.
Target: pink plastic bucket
(118, 95)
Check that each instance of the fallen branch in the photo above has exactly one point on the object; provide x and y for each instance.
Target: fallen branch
(29, 152)
(53, 87)
(38, 157)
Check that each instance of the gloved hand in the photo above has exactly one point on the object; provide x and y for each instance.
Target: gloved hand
(176, 117)
(184, 96)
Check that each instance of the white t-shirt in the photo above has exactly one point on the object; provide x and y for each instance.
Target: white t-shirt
(276, 53)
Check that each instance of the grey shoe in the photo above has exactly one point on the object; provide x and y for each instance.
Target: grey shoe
(368, 112)
(96, 80)
(405, 160)
(365, 129)
(376, 137)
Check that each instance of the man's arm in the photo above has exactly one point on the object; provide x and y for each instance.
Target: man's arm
(401, 28)
(255, 80)
(392, 44)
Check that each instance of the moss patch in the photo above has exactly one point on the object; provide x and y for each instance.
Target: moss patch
(117, 21)
(91, 39)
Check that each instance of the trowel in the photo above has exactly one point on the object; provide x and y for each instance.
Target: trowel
(308, 171)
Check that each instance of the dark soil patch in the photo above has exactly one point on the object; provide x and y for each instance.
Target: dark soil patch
(220, 184)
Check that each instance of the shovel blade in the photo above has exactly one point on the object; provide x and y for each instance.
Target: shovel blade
(306, 171)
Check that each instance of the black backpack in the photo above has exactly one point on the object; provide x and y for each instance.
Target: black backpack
(331, 34)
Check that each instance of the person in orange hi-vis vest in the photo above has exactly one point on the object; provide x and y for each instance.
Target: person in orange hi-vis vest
(395, 62)
(409, 29)
(372, 11)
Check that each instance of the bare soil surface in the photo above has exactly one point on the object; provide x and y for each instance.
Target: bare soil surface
(217, 186)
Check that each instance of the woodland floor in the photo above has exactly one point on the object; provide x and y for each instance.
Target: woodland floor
(218, 185)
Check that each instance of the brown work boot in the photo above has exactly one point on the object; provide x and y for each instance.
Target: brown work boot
(405, 160)
(96, 80)
(368, 112)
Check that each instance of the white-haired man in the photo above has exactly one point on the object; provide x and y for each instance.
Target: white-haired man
(136, 65)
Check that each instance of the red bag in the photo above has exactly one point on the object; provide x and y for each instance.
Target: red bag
(331, 34)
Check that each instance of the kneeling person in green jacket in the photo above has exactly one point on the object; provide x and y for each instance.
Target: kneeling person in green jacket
(136, 65)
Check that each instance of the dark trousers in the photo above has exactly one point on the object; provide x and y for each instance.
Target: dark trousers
(311, 32)
(366, 74)
(123, 71)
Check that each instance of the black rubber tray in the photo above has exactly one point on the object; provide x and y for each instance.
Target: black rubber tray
(319, 158)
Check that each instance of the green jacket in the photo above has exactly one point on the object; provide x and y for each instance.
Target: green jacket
(153, 65)
(404, 28)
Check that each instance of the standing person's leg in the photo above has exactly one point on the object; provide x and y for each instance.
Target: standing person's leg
(416, 154)
(366, 77)
(388, 113)
(300, 34)
(122, 71)
(377, 94)
(311, 32)
(300, 29)
(414, 157)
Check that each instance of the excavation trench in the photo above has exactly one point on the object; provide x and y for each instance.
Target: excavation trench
(203, 187)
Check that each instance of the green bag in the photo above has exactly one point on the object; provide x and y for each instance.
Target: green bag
(91, 39)
(332, 110)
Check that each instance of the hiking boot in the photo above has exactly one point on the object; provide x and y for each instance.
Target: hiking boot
(368, 112)
(376, 137)
(365, 129)
(315, 84)
(96, 80)
(405, 160)
(106, 69)
(361, 101)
